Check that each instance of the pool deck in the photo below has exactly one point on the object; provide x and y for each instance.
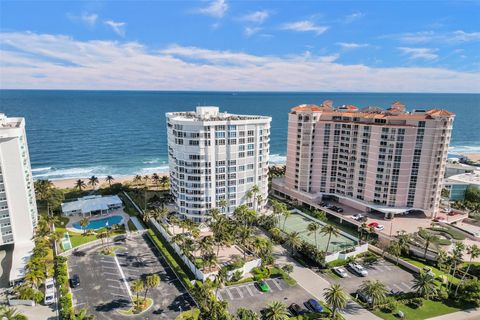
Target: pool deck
(77, 218)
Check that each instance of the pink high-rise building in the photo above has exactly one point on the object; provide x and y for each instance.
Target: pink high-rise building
(389, 161)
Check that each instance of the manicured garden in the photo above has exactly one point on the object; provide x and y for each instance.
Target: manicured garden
(429, 309)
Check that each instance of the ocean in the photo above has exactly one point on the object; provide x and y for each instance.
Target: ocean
(76, 134)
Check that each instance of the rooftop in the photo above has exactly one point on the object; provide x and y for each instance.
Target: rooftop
(465, 178)
(91, 203)
(396, 111)
(210, 113)
(8, 123)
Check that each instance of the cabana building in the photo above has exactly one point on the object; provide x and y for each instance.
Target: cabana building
(92, 205)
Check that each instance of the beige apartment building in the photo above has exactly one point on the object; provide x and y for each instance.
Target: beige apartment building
(375, 160)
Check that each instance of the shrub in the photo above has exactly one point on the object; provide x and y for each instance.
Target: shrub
(236, 276)
(390, 305)
(370, 259)
(415, 303)
(337, 263)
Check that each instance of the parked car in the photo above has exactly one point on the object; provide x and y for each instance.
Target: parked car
(376, 226)
(357, 216)
(49, 285)
(358, 269)
(380, 227)
(322, 204)
(75, 281)
(314, 305)
(394, 293)
(49, 299)
(263, 286)
(338, 209)
(363, 297)
(296, 310)
(340, 271)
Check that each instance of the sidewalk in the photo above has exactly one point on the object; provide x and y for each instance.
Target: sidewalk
(137, 223)
(470, 314)
(315, 285)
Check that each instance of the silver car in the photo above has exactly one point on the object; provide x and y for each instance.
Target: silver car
(340, 271)
(358, 268)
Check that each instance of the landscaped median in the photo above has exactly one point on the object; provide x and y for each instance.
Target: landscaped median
(61, 276)
(174, 261)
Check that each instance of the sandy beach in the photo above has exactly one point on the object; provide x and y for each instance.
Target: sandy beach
(70, 183)
(472, 156)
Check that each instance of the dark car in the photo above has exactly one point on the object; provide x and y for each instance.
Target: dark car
(322, 204)
(295, 309)
(363, 297)
(75, 281)
(314, 305)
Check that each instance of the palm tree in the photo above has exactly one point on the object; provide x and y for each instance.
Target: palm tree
(206, 245)
(146, 179)
(79, 184)
(156, 179)
(137, 179)
(329, 230)
(374, 289)
(395, 250)
(84, 224)
(254, 190)
(136, 287)
(313, 227)
(220, 278)
(428, 238)
(246, 314)
(164, 181)
(286, 214)
(457, 258)
(294, 241)
(336, 298)
(424, 285)
(209, 260)
(93, 181)
(403, 241)
(222, 203)
(276, 311)
(9, 313)
(109, 179)
(442, 258)
(151, 281)
(474, 252)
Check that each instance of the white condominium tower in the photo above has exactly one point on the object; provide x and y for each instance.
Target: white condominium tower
(18, 210)
(215, 159)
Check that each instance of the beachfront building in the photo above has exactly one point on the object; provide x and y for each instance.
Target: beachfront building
(88, 205)
(374, 160)
(215, 158)
(18, 210)
(458, 184)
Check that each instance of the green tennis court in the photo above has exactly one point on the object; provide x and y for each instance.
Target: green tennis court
(299, 223)
(66, 244)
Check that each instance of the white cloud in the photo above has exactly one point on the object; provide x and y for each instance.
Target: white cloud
(250, 31)
(352, 45)
(117, 27)
(420, 53)
(87, 19)
(305, 26)
(216, 8)
(258, 17)
(353, 17)
(44, 61)
(453, 37)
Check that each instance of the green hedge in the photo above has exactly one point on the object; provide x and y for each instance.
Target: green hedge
(173, 259)
(455, 234)
(61, 276)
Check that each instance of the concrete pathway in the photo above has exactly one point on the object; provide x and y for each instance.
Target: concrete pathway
(470, 314)
(137, 223)
(315, 284)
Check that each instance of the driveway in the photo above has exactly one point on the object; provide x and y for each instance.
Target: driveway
(249, 296)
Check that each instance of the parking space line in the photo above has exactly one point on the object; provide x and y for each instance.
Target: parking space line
(114, 287)
(398, 287)
(239, 292)
(219, 296)
(388, 268)
(112, 279)
(249, 290)
(111, 273)
(406, 285)
(277, 285)
(76, 290)
(229, 293)
(79, 304)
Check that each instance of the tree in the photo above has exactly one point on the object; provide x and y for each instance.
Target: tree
(474, 252)
(222, 203)
(82, 315)
(137, 179)
(151, 281)
(395, 249)
(164, 181)
(288, 268)
(294, 241)
(374, 289)
(472, 194)
(137, 287)
(9, 313)
(428, 238)
(470, 291)
(285, 214)
(84, 224)
(424, 285)
(156, 180)
(403, 241)
(246, 314)
(93, 181)
(336, 298)
(313, 227)
(79, 184)
(254, 190)
(457, 258)
(220, 278)
(276, 311)
(109, 179)
(329, 230)
(442, 258)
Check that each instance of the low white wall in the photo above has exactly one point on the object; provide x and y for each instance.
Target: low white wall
(392, 258)
(18, 302)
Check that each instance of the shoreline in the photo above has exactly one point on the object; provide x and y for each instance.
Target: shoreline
(70, 182)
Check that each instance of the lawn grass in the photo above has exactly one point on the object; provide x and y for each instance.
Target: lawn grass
(77, 239)
(428, 310)
(437, 272)
(191, 314)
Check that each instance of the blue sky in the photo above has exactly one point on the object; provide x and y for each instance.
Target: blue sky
(429, 46)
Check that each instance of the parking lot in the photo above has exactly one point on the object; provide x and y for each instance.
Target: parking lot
(249, 296)
(394, 277)
(103, 291)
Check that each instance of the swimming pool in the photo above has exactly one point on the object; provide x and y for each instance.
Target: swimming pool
(100, 223)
